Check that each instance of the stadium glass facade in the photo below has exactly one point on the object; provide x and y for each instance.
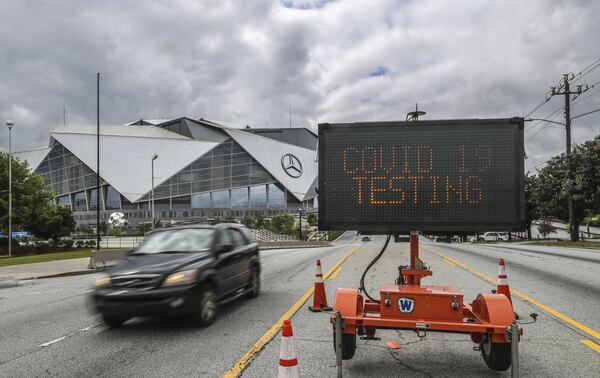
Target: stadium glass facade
(226, 180)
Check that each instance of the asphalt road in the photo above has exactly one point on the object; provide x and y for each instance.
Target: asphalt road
(562, 280)
(47, 330)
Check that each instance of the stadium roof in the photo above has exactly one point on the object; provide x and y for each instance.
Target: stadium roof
(126, 153)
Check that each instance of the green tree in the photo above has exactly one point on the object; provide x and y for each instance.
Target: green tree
(103, 226)
(546, 228)
(115, 231)
(531, 202)
(29, 196)
(551, 189)
(249, 222)
(53, 223)
(261, 222)
(145, 227)
(283, 224)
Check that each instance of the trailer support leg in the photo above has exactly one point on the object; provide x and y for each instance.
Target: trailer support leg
(514, 350)
(338, 343)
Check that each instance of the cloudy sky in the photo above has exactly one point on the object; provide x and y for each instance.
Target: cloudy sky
(247, 62)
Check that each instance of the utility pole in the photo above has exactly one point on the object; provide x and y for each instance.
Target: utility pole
(554, 91)
(98, 162)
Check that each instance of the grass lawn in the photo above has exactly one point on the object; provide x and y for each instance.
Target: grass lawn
(73, 254)
(566, 243)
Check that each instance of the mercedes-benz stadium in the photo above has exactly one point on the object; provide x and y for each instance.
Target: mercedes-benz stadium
(203, 170)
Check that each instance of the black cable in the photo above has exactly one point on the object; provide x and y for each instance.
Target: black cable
(373, 262)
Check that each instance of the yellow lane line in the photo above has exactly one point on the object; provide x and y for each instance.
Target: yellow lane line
(450, 263)
(335, 274)
(591, 344)
(241, 364)
(523, 296)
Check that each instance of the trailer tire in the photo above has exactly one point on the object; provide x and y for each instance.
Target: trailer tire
(348, 345)
(497, 356)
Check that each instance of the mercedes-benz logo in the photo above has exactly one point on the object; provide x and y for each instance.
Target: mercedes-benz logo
(291, 165)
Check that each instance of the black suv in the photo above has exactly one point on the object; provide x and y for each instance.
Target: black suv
(186, 270)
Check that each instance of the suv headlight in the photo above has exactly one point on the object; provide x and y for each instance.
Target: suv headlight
(103, 280)
(181, 278)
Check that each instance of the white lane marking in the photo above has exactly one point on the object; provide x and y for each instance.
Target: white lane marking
(525, 255)
(48, 343)
(64, 337)
(42, 292)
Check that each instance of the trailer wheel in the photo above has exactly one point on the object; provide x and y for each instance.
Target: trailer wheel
(348, 345)
(496, 355)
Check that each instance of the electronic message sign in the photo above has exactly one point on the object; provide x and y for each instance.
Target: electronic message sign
(432, 176)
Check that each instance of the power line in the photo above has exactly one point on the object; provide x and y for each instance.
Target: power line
(545, 119)
(544, 127)
(587, 88)
(596, 61)
(537, 107)
(583, 72)
(584, 114)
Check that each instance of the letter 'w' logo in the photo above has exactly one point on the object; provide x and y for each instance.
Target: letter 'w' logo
(406, 305)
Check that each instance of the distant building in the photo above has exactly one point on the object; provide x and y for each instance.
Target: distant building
(204, 170)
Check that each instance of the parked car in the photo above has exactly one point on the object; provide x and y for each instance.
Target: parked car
(184, 270)
(494, 236)
(366, 238)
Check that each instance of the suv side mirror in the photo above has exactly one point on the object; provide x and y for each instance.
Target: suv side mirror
(224, 248)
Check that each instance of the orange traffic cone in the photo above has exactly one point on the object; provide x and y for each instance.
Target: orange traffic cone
(319, 297)
(502, 287)
(288, 363)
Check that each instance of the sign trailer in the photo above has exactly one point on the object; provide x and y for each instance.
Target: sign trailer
(445, 176)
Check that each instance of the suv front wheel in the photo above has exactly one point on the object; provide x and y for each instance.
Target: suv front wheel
(254, 285)
(206, 311)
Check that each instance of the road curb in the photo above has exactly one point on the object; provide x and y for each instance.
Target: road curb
(65, 274)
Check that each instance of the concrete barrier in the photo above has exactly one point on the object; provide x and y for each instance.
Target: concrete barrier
(106, 257)
(292, 244)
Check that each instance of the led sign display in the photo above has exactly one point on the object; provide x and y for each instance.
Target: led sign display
(431, 176)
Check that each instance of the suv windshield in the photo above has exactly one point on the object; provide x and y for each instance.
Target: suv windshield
(182, 240)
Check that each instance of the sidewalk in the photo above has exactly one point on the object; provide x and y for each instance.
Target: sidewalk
(44, 269)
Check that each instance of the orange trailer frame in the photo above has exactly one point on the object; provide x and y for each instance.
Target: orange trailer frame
(422, 308)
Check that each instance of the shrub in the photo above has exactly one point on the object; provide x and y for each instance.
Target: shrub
(79, 244)
(67, 244)
(546, 228)
(4, 242)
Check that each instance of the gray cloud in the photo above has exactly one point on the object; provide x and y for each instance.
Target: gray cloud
(247, 61)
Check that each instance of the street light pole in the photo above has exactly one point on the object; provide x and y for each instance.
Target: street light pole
(10, 125)
(152, 196)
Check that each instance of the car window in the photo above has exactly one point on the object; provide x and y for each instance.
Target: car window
(178, 240)
(226, 238)
(238, 239)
